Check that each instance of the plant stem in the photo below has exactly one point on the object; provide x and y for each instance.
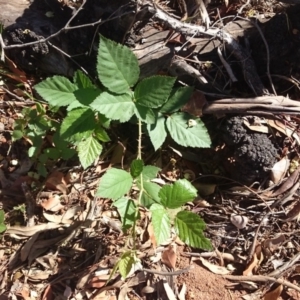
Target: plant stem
(139, 156)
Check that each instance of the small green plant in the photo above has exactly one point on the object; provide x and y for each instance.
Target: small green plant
(166, 205)
(36, 125)
(153, 101)
(2, 224)
(90, 108)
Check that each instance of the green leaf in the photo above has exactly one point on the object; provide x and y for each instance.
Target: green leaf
(178, 98)
(150, 193)
(57, 90)
(115, 107)
(88, 150)
(41, 169)
(126, 263)
(161, 223)
(82, 80)
(146, 114)
(2, 228)
(68, 153)
(101, 134)
(52, 153)
(150, 172)
(114, 184)
(84, 97)
(2, 216)
(17, 134)
(103, 120)
(177, 194)
(117, 66)
(157, 132)
(154, 91)
(79, 124)
(182, 134)
(136, 167)
(127, 211)
(189, 228)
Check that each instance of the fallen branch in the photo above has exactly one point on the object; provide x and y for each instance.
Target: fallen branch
(264, 104)
(262, 278)
(247, 63)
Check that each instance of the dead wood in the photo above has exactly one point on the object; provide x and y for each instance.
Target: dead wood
(258, 105)
(67, 38)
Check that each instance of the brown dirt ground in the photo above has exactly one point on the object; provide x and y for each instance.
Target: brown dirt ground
(204, 285)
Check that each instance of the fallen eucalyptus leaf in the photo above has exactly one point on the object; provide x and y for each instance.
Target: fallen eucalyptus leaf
(279, 170)
(214, 268)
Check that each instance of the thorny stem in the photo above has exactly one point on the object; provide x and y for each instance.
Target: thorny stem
(139, 156)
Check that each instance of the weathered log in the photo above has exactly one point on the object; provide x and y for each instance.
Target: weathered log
(126, 22)
(11, 10)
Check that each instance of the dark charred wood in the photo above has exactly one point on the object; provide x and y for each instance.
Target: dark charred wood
(126, 23)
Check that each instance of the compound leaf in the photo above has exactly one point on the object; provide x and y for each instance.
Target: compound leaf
(126, 263)
(127, 211)
(189, 228)
(114, 184)
(180, 129)
(117, 66)
(79, 124)
(149, 193)
(57, 90)
(136, 167)
(82, 80)
(161, 223)
(157, 132)
(115, 107)
(178, 98)
(177, 194)
(150, 172)
(88, 150)
(154, 91)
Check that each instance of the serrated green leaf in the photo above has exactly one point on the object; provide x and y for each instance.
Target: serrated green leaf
(117, 66)
(189, 228)
(79, 124)
(101, 134)
(127, 211)
(136, 167)
(2, 228)
(196, 136)
(149, 193)
(84, 97)
(146, 114)
(157, 132)
(114, 184)
(161, 223)
(177, 99)
(115, 107)
(126, 263)
(154, 91)
(88, 150)
(2, 216)
(82, 80)
(57, 90)
(150, 172)
(176, 194)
